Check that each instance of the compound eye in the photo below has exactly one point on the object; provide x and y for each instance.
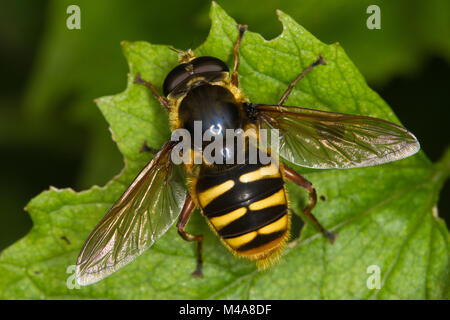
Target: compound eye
(200, 65)
(175, 77)
(208, 64)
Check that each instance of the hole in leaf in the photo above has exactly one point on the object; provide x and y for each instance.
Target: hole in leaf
(66, 240)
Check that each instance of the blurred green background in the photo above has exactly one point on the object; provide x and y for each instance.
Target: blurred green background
(51, 132)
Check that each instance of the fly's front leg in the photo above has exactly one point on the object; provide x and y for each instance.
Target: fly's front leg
(186, 212)
(295, 177)
(288, 91)
(162, 100)
(234, 75)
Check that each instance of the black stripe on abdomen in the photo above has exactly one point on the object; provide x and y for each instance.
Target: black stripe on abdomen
(253, 220)
(261, 240)
(242, 194)
(210, 178)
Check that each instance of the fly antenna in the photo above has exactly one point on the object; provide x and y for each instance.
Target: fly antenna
(176, 50)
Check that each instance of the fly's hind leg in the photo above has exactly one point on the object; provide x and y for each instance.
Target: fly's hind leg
(288, 91)
(234, 75)
(162, 100)
(295, 177)
(186, 212)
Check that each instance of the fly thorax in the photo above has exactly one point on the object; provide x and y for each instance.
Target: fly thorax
(212, 116)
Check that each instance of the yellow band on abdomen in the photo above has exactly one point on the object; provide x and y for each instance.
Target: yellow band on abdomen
(270, 171)
(221, 221)
(236, 242)
(271, 201)
(209, 195)
(278, 225)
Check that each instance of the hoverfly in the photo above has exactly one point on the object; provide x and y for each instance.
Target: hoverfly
(245, 204)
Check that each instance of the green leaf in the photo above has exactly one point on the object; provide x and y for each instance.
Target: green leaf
(396, 49)
(385, 216)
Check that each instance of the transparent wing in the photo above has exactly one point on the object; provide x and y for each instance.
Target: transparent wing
(145, 211)
(320, 139)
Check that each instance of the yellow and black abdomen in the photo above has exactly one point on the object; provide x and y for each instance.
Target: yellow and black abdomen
(247, 207)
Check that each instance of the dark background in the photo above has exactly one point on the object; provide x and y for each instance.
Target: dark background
(51, 132)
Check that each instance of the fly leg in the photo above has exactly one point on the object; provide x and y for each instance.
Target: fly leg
(288, 91)
(162, 100)
(295, 177)
(186, 212)
(234, 75)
